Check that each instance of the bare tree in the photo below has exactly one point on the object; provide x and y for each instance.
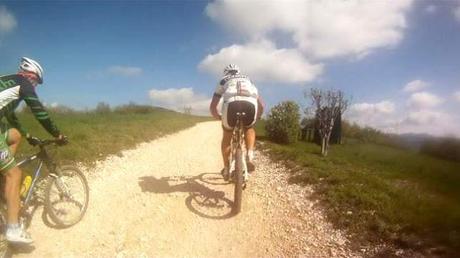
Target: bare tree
(188, 110)
(329, 104)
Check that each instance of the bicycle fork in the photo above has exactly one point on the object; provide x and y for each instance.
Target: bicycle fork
(62, 187)
(245, 170)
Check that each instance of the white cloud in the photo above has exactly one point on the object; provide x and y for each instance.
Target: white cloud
(178, 98)
(457, 13)
(321, 29)
(457, 96)
(425, 117)
(7, 20)
(379, 115)
(126, 71)
(263, 62)
(424, 100)
(387, 118)
(391, 118)
(416, 85)
(433, 122)
(383, 107)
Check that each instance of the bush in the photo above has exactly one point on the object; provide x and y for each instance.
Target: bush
(445, 148)
(282, 124)
(372, 135)
(102, 107)
(137, 109)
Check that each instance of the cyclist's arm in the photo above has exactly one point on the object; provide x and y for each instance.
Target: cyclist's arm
(213, 106)
(30, 97)
(220, 89)
(260, 107)
(14, 121)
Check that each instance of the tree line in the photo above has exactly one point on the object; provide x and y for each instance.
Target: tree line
(284, 125)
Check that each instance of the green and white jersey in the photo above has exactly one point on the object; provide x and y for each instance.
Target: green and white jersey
(13, 89)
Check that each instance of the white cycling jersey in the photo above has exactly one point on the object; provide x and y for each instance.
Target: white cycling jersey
(237, 87)
(234, 89)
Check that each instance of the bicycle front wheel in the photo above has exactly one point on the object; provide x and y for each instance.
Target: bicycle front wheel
(238, 179)
(67, 196)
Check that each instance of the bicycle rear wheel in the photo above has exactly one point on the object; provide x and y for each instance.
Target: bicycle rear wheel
(67, 196)
(238, 180)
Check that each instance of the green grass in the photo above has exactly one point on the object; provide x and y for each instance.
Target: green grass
(94, 136)
(389, 193)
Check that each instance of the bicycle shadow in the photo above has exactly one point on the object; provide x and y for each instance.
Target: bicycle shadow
(202, 200)
(14, 249)
(45, 217)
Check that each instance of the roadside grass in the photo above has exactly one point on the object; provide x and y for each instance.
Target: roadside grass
(380, 192)
(93, 136)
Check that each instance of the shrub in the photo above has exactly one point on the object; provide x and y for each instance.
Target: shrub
(445, 148)
(136, 108)
(372, 135)
(102, 107)
(282, 124)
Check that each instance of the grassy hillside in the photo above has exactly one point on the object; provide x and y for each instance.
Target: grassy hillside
(402, 196)
(95, 135)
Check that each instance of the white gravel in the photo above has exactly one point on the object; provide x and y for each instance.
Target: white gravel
(166, 198)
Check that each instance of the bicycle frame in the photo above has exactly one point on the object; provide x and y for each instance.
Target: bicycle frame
(238, 133)
(238, 139)
(54, 172)
(43, 158)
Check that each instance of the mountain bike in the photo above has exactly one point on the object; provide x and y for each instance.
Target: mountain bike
(62, 189)
(238, 162)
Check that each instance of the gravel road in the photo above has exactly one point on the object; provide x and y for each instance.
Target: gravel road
(166, 198)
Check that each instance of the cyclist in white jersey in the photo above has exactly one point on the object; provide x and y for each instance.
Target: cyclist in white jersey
(239, 94)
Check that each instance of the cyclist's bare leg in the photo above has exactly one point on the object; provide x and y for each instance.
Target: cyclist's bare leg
(13, 182)
(14, 232)
(14, 138)
(225, 146)
(250, 138)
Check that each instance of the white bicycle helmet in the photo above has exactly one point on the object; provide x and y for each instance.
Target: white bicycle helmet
(32, 66)
(231, 69)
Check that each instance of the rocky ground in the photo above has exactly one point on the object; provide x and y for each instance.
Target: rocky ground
(166, 198)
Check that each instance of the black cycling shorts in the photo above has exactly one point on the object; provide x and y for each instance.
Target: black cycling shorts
(239, 106)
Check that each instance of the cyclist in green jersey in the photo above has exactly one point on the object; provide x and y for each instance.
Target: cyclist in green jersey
(13, 89)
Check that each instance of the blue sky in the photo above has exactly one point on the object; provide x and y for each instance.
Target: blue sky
(398, 60)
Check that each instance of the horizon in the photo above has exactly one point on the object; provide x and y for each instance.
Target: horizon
(397, 60)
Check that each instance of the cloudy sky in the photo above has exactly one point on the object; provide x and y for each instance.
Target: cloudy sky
(399, 61)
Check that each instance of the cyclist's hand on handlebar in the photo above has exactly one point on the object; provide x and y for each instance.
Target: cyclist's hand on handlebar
(32, 140)
(62, 139)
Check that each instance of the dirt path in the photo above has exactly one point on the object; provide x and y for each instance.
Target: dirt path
(166, 199)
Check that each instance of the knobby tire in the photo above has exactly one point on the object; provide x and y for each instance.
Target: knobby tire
(238, 177)
(49, 206)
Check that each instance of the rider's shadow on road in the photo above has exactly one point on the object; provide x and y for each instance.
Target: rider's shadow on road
(203, 201)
